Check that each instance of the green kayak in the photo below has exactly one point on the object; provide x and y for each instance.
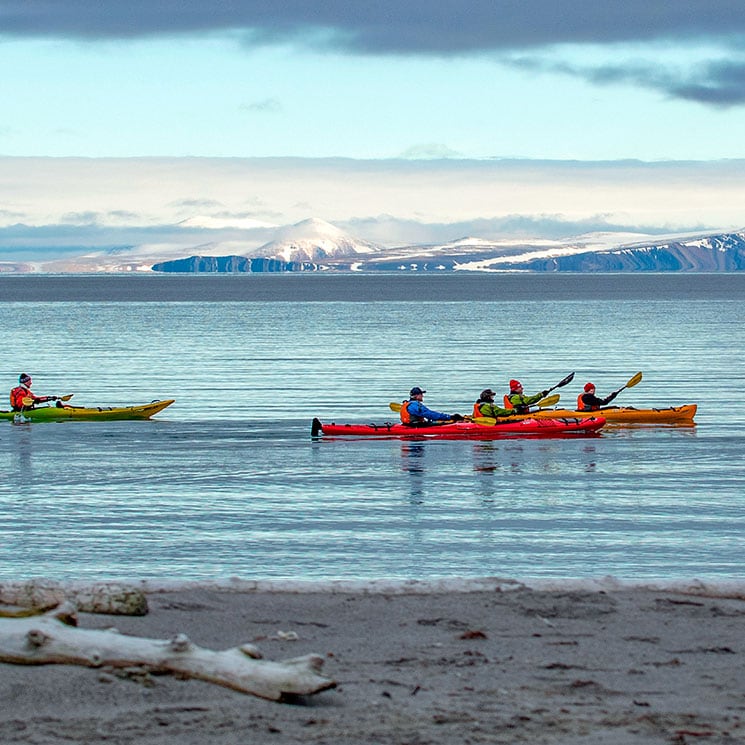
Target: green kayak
(86, 413)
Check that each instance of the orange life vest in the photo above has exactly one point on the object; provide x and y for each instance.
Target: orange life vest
(507, 403)
(581, 406)
(404, 412)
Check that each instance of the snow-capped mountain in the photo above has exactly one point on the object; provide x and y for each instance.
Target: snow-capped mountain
(723, 252)
(313, 240)
(316, 245)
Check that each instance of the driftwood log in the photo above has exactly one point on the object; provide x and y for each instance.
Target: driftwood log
(102, 597)
(55, 638)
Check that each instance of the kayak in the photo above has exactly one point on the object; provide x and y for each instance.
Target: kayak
(85, 413)
(527, 427)
(618, 415)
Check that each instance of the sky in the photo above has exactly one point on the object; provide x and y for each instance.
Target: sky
(557, 101)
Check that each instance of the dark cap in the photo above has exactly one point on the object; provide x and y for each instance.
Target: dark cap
(24, 378)
(488, 393)
(415, 391)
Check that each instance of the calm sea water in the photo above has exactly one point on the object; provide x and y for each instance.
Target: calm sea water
(227, 482)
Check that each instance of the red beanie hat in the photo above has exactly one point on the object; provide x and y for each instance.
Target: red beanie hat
(514, 384)
(589, 387)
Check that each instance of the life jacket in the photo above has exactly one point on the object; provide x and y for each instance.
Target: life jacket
(582, 406)
(405, 415)
(507, 403)
(477, 409)
(17, 395)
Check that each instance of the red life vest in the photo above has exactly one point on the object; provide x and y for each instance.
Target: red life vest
(17, 395)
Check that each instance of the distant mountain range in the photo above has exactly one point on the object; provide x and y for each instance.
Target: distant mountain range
(316, 245)
(313, 245)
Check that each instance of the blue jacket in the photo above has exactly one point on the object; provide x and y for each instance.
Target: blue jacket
(419, 411)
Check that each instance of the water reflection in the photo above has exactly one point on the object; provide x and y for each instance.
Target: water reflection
(412, 463)
(21, 463)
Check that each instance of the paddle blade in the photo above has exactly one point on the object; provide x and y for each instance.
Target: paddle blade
(68, 396)
(633, 381)
(394, 406)
(549, 401)
(27, 401)
(569, 378)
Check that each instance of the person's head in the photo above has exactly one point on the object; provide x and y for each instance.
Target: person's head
(416, 392)
(25, 379)
(589, 388)
(516, 386)
(487, 395)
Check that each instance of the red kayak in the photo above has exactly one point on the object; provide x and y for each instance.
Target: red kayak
(465, 430)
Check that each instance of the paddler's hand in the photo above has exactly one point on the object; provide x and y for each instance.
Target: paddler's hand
(456, 417)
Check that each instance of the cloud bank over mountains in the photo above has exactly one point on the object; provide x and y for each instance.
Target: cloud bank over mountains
(316, 245)
(109, 214)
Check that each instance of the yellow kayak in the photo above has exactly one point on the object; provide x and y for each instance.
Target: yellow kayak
(618, 415)
(86, 413)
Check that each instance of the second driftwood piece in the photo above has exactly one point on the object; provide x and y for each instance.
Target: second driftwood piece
(55, 638)
(99, 597)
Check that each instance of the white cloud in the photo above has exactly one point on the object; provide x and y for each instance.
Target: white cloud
(109, 202)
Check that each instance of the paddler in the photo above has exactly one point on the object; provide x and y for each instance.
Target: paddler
(588, 401)
(518, 401)
(23, 391)
(414, 411)
(485, 406)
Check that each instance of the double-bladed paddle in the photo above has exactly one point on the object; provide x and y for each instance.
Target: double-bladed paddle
(28, 401)
(543, 403)
(397, 407)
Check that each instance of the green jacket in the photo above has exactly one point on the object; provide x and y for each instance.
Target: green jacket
(522, 403)
(492, 410)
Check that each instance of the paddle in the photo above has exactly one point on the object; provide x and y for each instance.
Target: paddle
(543, 403)
(569, 378)
(549, 401)
(632, 382)
(394, 406)
(28, 401)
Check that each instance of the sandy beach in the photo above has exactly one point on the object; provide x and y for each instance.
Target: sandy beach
(508, 664)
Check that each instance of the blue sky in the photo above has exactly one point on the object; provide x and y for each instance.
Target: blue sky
(547, 81)
(652, 81)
